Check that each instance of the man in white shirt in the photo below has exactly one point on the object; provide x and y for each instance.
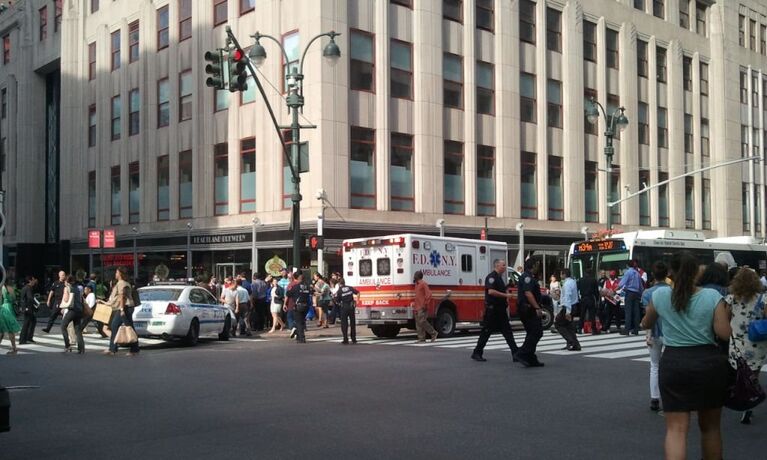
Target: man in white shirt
(242, 307)
(90, 300)
(564, 318)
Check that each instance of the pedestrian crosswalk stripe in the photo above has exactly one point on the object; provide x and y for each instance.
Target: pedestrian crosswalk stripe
(622, 354)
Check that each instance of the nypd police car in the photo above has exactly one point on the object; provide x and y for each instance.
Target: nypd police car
(180, 311)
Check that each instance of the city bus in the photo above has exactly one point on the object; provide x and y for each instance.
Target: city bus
(649, 246)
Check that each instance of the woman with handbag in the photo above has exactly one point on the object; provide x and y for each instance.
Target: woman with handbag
(73, 303)
(278, 298)
(748, 306)
(8, 323)
(123, 303)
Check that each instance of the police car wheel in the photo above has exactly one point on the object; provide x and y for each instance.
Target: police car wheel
(224, 335)
(445, 322)
(194, 333)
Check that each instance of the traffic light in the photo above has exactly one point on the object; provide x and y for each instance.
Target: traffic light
(316, 242)
(215, 68)
(238, 74)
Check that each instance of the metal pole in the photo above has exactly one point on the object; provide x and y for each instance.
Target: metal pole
(295, 102)
(135, 259)
(253, 255)
(321, 252)
(189, 251)
(609, 150)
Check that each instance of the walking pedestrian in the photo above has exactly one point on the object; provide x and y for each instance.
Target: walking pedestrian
(748, 305)
(286, 281)
(73, 301)
(229, 299)
(496, 318)
(278, 299)
(322, 299)
(259, 317)
(611, 303)
(555, 290)
(655, 335)
(530, 312)
(588, 289)
(89, 301)
(55, 297)
(123, 303)
(345, 298)
(242, 307)
(420, 307)
(715, 277)
(333, 304)
(564, 318)
(29, 309)
(632, 286)
(8, 324)
(693, 373)
(298, 295)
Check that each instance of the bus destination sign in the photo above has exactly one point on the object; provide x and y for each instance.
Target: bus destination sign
(600, 245)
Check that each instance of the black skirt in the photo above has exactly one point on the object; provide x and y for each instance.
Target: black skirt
(693, 378)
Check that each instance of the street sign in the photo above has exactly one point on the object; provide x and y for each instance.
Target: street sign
(109, 238)
(316, 242)
(94, 239)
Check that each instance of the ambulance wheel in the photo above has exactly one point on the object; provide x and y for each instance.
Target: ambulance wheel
(224, 335)
(547, 317)
(385, 332)
(445, 322)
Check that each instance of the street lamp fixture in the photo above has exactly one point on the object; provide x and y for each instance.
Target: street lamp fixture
(331, 52)
(441, 226)
(616, 119)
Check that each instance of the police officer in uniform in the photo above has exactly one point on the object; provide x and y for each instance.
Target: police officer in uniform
(300, 292)
(529, 304)
(345, 298)
(496, 312)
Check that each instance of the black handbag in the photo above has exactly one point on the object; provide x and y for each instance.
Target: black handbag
(745, 392)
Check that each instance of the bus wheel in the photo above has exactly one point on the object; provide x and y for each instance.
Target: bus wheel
(445, 322)
(385, 332)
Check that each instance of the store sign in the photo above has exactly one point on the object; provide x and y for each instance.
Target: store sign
(94, 239)
(110, 240)
(220, 239)
(117, 260)
(274, 265)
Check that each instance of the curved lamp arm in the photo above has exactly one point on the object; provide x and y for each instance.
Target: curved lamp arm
(258, 36)
(331, 34)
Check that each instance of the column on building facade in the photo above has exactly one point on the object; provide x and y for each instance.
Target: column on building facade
(103, 99)
(382, 103)
(676, 154)
(602, 192)
(697, 114)
(672, 16)
(427, 79)
(761, 231)
(147, 151)
(573, 165)
(507, 117)
(627, 151)
(470, 118)
(542, 129)
(750, 166)
(167, 60)
(652, 104)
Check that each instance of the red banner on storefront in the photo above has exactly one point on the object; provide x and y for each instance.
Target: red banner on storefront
(94, 239)
(110, 241)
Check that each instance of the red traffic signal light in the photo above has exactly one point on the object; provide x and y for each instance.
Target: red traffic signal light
(316, 242)
(238, 55)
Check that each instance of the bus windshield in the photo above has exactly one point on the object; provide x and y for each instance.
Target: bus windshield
(598, 262)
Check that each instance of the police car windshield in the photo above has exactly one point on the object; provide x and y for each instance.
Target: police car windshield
(148, 295)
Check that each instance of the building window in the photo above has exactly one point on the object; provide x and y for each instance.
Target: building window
(184, 19)
(116, 217)
(163, 36)
(527, 21)
(528, 111)
(405, 3)
(700, 18)
(660, 57)
(453, 186)
(687, 73)
(592, 200)
(742, 30)
(684, 14)
(485, 180)
(91, 199)
(703, 78)
(115, 41)
(287, 176)
(91, 125)
(704, 145)
(6, 49)
(639, 4)
(116, 112)
(249, 95)
(663, 220)
(613, 104)
(43, 14)
(752, 35)
(746, 207)
(362, 168)
(133, 41)
(221, 99)
(485, 88)
(743, 86)
(246, 6)
(554, 191)
(220, 12)
(528, 192)
(3, 103)
(755, 90)
(134, 105)
(58, 11)
(221, 178)
(642, 63)
(589, 41)
(485, 14)
(452, 72)
(134, 193)
(94, 6)
(91, 61)
(662, 128)
(185, 184)
(706, 199)
(612, 49)
(588, 95)
(688, 133)
(553, 30)
(362, 61)
(644, 124)
(743, 141)
(163, 188)
(401, 173)
(185, 95)
(615, 182)
(163, 103)
(659, 9)
(248, 175)
(763, 40)
(554, 103)
(401, 69)
(644, 199)
(452, 10)
(290, 42)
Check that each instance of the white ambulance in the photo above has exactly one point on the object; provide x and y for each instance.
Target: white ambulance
(382, 269)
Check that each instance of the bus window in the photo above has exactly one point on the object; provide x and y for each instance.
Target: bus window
(577, 269)
(383, 266)
(614, 261)
(366, 267)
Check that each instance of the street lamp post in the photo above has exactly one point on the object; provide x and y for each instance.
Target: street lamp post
(616, 119)
(135, 256)
(295, 102)
(188, 251)
(322, 196)
(585, 231)
(253, 250)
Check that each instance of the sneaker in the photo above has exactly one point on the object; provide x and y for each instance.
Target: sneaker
(477, 357)
(654, 405)
(46, 330)
(345, 342)
(434, 337)
(746, 417)
(293, 333)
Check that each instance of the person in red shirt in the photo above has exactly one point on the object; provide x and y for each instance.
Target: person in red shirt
(420, 308)
(610, 303)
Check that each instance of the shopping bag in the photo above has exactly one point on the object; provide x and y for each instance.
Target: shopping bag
(102, 313)
(126, 335)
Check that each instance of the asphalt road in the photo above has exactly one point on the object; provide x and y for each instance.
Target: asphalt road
(279, 399)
